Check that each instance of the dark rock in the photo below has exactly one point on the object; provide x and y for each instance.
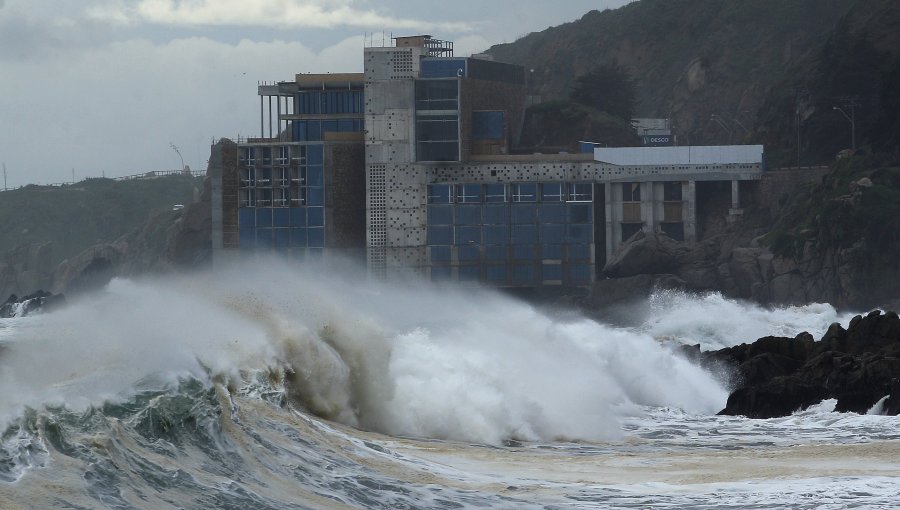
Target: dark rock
(646, 254)
(776, 376)
(30, 304)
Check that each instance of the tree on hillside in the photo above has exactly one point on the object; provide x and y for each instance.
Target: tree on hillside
(608, 88)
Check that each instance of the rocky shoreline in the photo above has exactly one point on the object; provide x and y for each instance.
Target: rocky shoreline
(41, 300)
(776, 376)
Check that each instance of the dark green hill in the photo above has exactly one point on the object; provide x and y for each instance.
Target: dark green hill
(690, 58)
(78, 216)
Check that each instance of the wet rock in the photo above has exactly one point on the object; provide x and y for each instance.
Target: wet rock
(39, 301)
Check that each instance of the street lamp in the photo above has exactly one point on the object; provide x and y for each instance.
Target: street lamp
(175, 148)
(852, 119)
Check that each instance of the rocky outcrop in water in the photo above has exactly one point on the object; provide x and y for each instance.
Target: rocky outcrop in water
(30, 304)
(776, 376)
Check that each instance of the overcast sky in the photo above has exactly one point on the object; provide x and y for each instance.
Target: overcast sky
(104, 86)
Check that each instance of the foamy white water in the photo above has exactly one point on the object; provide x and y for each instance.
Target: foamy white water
(198, 392)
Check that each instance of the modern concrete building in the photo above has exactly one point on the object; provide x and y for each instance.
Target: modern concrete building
(411, 163)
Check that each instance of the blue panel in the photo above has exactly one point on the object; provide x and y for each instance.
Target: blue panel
(440, 215)
(524, 252)
(314, 131)
(496, 234)
(495, 274)
(441, 274)
(298, 237)
(579, 274)
(588, 147)
(525, 192)
(523, 213)
(314, 176)
(495, 193)
(552, 192)
(554, 234)
(523, 274)
(496, 253)
(552, 272)
(440, 254)
(264, 237)
(468, 215)
(281, 217)
(282, 237)
(469, 273)
(329, 126)
(524, 234)
(315, 216)
(314, 154)
(298, 131)
(578, 252)
(439, 194)
(468, 193)
(442, 67)
(553, 213)
(579, 233)
(496, 214)
(247, 216)
(468, 235)
(440, 235)
(315, 196)
(552, 251)
(264, 217)
(315, 237)
(298, 216)
(487, 125)
(579, 213)
(247, 237)
(468, 253)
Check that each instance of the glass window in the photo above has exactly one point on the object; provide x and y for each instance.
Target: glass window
(631, 192)
(298, 236)
(282, 155)
(579, 233)
(440, 253)
(496, 234)
(495, 274)
(264, 176)
(495, 193)
(468, 193)
(263, 197)
(282, 237)
(552, 251)
(468, 215)
(314, 176)
(552, 192)
(264, 237)
(523, 274)
(315, 237)
(436, 94)
(441, 274)
(248, 177)
(552, 272)
(247, 217)
(440, 215)
(247, 237)
(440, 235)
(315, 196)
(524, 252)
(553, 213)
(672, 191)
(264, 217)
(298, 217)
(524, 192)
(523, 234)
(468, 235)
(496, 215)
(469, 273)
(579, 213)
(281, 217)
(581, 192)
(523, 213)
(468, 253)
(579, 274)
(552, 233)
(315, 216)
(267, 155)
(496, 253)
(579, 252)
(439, 194)
(437, 151)
(314, 154)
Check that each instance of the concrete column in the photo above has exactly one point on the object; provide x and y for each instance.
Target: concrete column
(648, 200)
(610, 219)
(735, 195)
(689, 210)
(262, 118)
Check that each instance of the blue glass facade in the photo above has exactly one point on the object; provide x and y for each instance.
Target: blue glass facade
(281, 193)
(519, 234)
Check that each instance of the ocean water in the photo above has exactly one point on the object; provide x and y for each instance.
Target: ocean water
(274, 388)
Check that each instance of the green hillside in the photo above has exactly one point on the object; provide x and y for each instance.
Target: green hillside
(78, 216)
(690, 59)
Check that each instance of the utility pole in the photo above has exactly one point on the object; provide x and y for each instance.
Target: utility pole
(4, 176)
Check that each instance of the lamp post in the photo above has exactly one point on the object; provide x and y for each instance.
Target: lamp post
(852, 119)
(175, 148)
